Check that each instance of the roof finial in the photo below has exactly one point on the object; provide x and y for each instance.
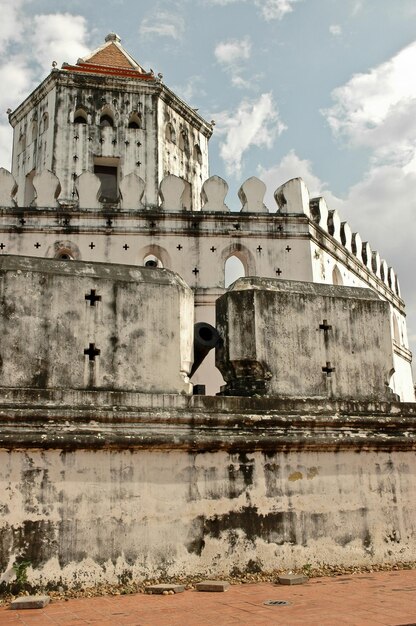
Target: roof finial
(113, 37)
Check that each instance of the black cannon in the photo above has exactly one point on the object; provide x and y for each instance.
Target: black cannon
(206, 337)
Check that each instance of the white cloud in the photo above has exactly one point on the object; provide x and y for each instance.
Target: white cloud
(269, 9)
(11, 26)
(232, 51)
(192, 89)
(378, 109)
(335, 29)
(59, 37)
(231, 54)
(357, 7)
(275, 9)
(16, 80)
(381, 207)
(6, 135)
(292, 166)
(36, 43)
(254, 123)
(239, 81)
(222, 2)
(163, 24)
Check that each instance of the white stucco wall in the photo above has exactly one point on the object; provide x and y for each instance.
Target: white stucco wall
(84, 517)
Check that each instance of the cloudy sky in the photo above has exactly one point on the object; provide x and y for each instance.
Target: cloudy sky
(323, 89)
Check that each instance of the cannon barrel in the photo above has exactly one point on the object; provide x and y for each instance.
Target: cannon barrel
(206, 337)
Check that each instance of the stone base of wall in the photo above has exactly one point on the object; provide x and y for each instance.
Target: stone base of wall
(201, 485)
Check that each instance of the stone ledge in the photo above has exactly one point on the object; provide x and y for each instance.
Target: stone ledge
(292, 579)
(29, 602)
(212, 585)
(165, 588)
(115, 401)
(186, 425)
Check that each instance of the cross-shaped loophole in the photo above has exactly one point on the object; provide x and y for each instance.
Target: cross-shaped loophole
(92, 352)
(92, 297)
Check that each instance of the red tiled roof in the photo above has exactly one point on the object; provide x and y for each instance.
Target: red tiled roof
(110, 56)
(109, 60)
(89, 68)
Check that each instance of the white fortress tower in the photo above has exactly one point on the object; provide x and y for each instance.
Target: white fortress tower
(110, 166)
(109, 116)
(119, 459)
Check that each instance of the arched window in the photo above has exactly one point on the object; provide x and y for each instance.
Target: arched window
(107, 171)
(135, 121)
(233, 269)
(29, 188)
(34, 130)
(197, 154)
(170, 132)
(64, 250)
(106, 121)
(45, 122)
(22, 140)
(154, 256)
(80, 117)
(184, 142)
(396, 332)
(336, 276)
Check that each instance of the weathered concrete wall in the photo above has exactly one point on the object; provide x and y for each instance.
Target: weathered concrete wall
(201, 485)
(289, 338)
(94, 325)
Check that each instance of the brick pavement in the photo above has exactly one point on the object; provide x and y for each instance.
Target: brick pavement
(372, 599)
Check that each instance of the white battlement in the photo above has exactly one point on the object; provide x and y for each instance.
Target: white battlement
(292, 199)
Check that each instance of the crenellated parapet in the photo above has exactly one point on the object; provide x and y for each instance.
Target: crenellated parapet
(292, 203)
(330, 222)
(174, 194)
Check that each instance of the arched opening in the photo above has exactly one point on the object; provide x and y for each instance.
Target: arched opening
(22, 141)
(64, 250)
(108, 171)
(184, 142)
(34, 130)
(197, 154)
(106, 121)
(396, 332)
(153, 256)
(170, 134)
(29, 188)
(45, 122)
(233, 269)
(336, 276)
(135, 121)
(80, 117)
